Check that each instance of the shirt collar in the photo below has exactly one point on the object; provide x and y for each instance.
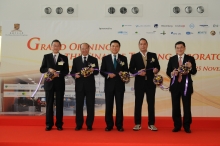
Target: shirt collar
(116, 56)
(56, 54)
(143, 54)
(85, 56)
(181, 56)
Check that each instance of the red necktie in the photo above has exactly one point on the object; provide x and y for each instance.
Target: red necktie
(180, 63)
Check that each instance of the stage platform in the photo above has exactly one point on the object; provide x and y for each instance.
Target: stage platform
(29, 131)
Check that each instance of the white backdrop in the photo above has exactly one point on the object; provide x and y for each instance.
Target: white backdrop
(23, 50)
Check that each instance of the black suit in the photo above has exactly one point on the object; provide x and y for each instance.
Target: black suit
(84, 87)
(177, 90)
(141, 85)
(114, 87)
(57, 85)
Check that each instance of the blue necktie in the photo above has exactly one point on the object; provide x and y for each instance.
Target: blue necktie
(115, 61)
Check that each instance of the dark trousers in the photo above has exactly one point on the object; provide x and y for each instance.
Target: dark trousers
(90, 101)
(176, 111)
(109, 104)
(59, 107)
(150, 97)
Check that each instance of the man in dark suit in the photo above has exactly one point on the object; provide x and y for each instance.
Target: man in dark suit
(111, 67)
(57, 64)
(181, 86)
(144, 64)
(84, 86)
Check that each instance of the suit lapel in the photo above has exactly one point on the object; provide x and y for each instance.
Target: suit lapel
(89, 59)
(80, 61)
(110, 59)
(176, 62)
(148, 59)
(52, 60)
(185, 59)
(118, 68)
(59, 59)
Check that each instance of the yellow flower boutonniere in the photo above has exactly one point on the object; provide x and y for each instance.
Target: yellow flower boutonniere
(92, 65)
(152, 60)
(122, 63)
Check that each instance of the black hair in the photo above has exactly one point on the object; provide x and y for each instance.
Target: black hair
(143, 40)
(115, 41)
(55, 41)
(179, 43)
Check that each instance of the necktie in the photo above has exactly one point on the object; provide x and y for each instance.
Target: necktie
(54, 58)
(145, 64)
(180, 63)
(115, 62)
(85, 62)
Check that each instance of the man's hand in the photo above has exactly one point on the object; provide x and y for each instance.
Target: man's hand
(188, 64)
(174, 72)
(56, 74)
(91, 69)
(111, 75)
(77, 75)
(51, 70)
(155, 70)
(142, 72)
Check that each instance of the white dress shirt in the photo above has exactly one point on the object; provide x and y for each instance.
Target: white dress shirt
(57, 55)
(86, 58)
(143, 54)
(113, 57)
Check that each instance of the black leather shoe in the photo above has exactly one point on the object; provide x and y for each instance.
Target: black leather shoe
(108, 129)
(60, 128)
(187, 130)
(120, 129)
(48, 128)
(78, 128)
(176, 129)
(89, 128)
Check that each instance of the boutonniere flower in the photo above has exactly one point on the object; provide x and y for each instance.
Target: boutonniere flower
(62, 60)
(152, 60)
(92, 65)
(121, 62)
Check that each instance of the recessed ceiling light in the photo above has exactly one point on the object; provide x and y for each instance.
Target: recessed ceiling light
(176, 10)
(135, 10)
(70, 10)
(123, 10)
(59, 10)
(47, 10)
(111, 10)
(188, 9)
(200, 9)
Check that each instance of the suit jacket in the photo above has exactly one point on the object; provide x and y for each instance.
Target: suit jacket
(87, 82)
(48, 62)
(108, 67)
(172, 64)
(137, 64)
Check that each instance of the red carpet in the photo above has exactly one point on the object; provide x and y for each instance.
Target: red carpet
(29, 131)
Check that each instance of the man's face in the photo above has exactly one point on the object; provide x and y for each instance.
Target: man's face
(180, 49)
(143, 46)
(84, 49)
(114, 48)
(56, 47)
